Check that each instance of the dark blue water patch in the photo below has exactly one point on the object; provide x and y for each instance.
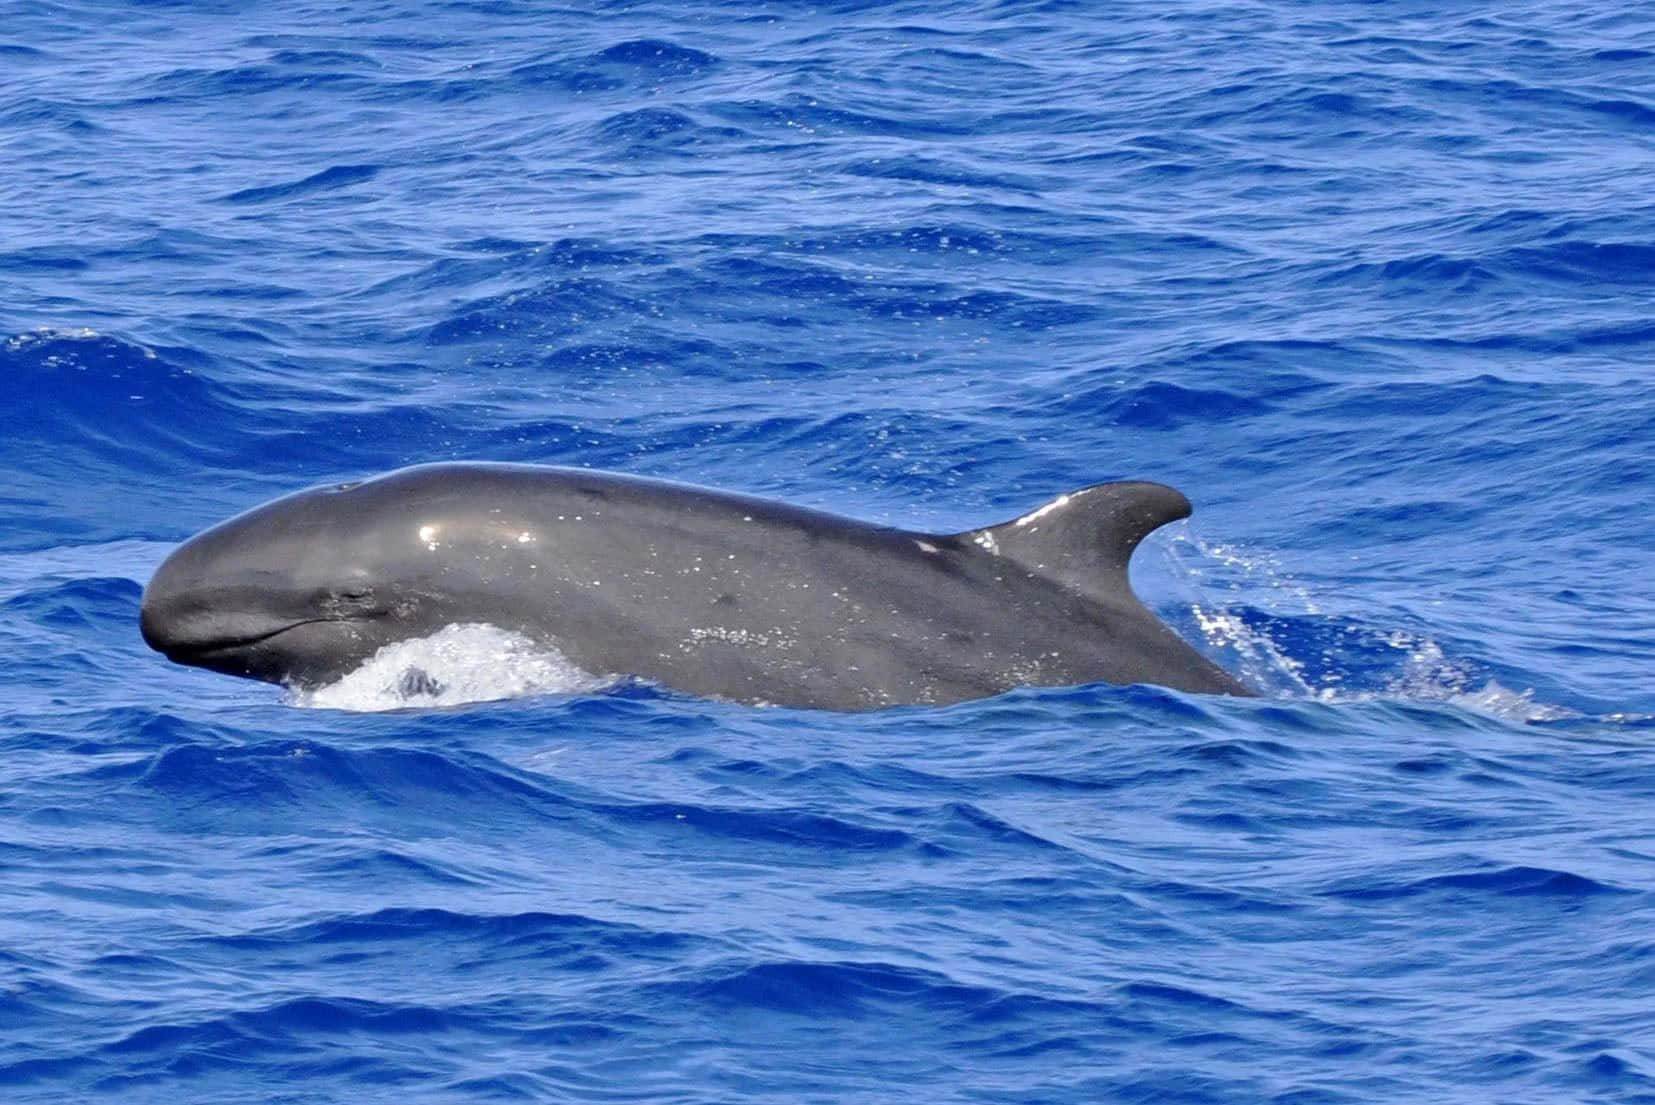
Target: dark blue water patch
(1234, 755)
(827, 838)
(526, 934)
(951, 239)
(1483, 394)
(833, 443)
(33, 113)
(29, 1072)
(96, 412)
(483, 261)
(322, 60)
(561, 307)
(311, 774)
(1417, 517)
(295, 1034)
(660, 353)
(1161, 405)
(651, 62)
(77, 604)
(665, 134)
(1008, 309)
(794, 119)
(773, 776)
(648, 126)
(816, 284)
(1429, 274)
(1563, 887)
(1613, 55)
(657, 57)
(1585, 264)
(43, 258)
(451, 91)
(1590, 263)
(843, 989)
(129, 729)
(1547, 108)
(1339, 113)
(99, 393)
(246, 82)
(567, 76)
(929, 171)
(328, 180)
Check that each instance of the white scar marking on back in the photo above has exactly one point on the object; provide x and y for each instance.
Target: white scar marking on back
(986, 540)
(926, 546)
(1035, 515)
(428, 537)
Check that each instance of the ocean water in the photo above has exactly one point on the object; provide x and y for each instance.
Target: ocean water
(1373, 284)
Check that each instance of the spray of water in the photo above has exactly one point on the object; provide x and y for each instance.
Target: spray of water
(1341, 658)
(455, 665)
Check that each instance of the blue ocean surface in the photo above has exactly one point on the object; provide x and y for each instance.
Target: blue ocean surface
(1373, 284)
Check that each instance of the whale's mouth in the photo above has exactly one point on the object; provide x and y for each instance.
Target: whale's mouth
(279, 655)
(193, 652)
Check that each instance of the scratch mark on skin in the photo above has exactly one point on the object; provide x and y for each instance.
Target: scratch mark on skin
(1035, 515)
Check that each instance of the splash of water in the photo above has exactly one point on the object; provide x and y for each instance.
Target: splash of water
(455, 665)
(1402, 664)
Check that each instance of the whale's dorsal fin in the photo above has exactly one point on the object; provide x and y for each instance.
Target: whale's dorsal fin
(1084, 539)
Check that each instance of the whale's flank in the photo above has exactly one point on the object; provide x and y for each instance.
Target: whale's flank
(705, 591)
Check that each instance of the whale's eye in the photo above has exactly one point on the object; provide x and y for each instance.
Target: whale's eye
(348, 601)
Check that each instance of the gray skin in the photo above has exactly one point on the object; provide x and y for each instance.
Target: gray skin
(705, 591)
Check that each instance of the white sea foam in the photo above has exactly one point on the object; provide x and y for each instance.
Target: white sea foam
(1207, 566)
(1515, 705)
(1425, 673)
(455, 665)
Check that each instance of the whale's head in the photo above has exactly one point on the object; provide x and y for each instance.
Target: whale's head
(302, 590)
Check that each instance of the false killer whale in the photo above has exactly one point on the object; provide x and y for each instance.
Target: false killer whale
(708, 592)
